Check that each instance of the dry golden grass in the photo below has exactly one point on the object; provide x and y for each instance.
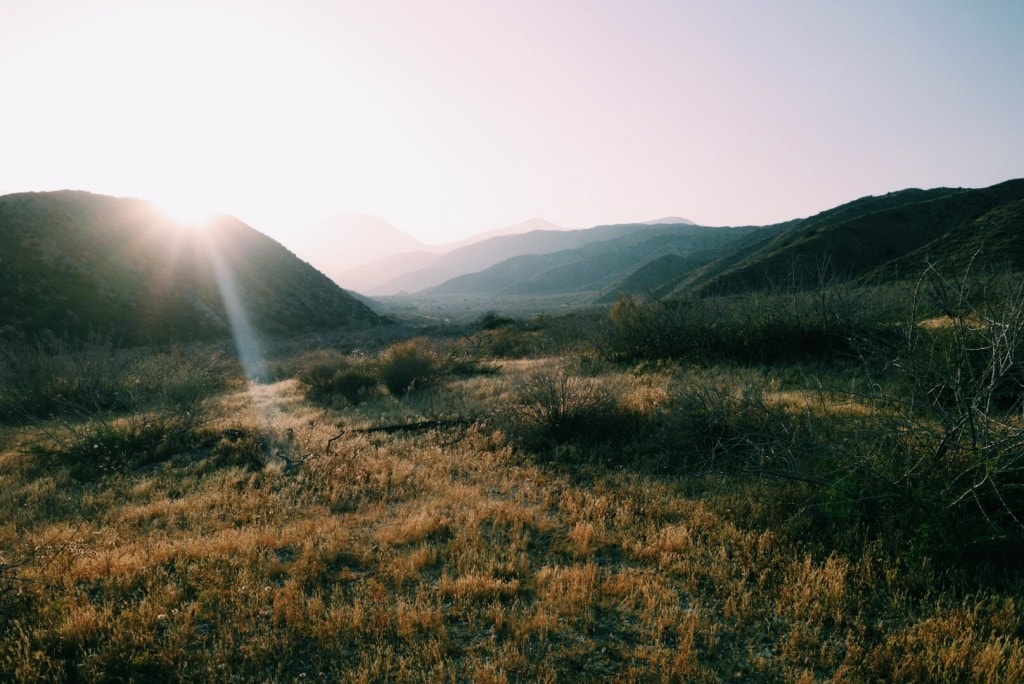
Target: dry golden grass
(452, 556)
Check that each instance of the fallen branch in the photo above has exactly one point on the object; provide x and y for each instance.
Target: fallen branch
(784, 476)
(402, 427)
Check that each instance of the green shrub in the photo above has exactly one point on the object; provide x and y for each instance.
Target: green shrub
(408, 366)
(49, 377)
(509, 343)
(103, 410)
(467, 356)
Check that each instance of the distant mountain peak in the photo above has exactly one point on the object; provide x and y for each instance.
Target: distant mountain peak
(669, 219)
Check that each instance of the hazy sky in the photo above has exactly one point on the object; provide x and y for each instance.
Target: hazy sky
(452, 117)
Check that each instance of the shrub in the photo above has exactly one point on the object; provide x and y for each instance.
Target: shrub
(954, 453)
(506, 342)
(49, 376)
(331, 375)
(492, 320)
(109, 445)
(408, 366)
(556, 405)
(466, 356)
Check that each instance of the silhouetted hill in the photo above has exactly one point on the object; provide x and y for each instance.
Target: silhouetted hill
(592, 267)
(848, 241)
(76, 263)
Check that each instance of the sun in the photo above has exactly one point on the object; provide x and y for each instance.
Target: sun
(189, 212)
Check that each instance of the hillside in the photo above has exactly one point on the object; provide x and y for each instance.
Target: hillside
(656, 278)
(592, 267)
(848, 241)
(991, 242)
(75, 263)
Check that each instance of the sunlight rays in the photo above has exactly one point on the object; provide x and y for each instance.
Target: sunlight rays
(247, 344)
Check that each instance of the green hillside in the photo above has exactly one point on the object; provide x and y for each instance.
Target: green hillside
(74, 263)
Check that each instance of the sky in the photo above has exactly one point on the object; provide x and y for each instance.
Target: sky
(451, 117)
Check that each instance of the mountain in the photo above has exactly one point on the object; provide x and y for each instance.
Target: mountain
(74, 263)
(847, 242)
(592, 267)
(486, 253)
(347, 241)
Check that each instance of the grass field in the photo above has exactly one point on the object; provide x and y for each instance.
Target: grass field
(520, 505)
